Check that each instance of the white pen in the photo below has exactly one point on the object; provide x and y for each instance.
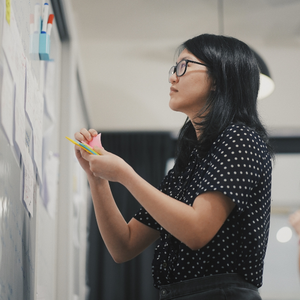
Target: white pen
(37, 17)
(31, 24)
(45, 17)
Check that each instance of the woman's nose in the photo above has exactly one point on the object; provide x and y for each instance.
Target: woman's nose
(173, 78)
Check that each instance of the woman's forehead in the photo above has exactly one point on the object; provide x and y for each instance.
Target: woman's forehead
(185, 54)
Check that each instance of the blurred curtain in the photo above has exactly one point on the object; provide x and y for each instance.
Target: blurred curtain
(147, 153)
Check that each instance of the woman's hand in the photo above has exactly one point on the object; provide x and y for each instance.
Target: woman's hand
(84, 135)
(295, 221)
(106, 165)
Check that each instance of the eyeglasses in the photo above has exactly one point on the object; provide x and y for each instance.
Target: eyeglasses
(180, 68)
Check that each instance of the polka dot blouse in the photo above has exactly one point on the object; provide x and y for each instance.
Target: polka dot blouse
(238, 165)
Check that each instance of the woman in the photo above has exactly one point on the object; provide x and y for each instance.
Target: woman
(211, 212)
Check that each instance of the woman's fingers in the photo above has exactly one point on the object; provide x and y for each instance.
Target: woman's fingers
(93, 132)
(84, 154)
(295, 221)
(85, 135)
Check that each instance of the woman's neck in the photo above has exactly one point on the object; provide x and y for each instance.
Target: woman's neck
(196, 128)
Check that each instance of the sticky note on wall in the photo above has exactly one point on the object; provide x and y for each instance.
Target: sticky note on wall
(8, 11)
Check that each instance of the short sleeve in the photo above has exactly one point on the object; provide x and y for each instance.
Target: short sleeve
(236, 165)
(144, 217)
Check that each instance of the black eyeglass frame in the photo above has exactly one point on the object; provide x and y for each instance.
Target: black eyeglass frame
(186, 65)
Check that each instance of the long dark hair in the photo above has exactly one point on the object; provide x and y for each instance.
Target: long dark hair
(235, 72)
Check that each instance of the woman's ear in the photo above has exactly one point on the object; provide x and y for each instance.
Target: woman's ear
(213, 86)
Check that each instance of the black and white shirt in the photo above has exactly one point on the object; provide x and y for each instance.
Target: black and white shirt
(238, 165)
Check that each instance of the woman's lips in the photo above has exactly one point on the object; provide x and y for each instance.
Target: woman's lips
(173, 90)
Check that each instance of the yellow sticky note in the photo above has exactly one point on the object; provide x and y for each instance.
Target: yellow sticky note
(8, 11)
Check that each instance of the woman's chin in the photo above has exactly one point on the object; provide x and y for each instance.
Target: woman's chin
(173, 106)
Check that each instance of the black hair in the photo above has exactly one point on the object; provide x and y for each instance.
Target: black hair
(235, 73)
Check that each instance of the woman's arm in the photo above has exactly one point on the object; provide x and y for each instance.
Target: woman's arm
(193, 225)
(123, 241)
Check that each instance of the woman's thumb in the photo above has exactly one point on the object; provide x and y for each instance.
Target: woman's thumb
(99, 150)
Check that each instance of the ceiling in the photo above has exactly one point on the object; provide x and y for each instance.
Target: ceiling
(127, 48)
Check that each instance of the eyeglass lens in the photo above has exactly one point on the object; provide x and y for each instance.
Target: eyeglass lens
(180, 69)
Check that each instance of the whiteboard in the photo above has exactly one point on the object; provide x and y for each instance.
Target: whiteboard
(43, 216)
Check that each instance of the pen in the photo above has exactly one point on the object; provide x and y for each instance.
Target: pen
(88, 148)
(37, 17)
(45, 17)
(83, 146)
(50, 23)
(78, 144)
(31, 24)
